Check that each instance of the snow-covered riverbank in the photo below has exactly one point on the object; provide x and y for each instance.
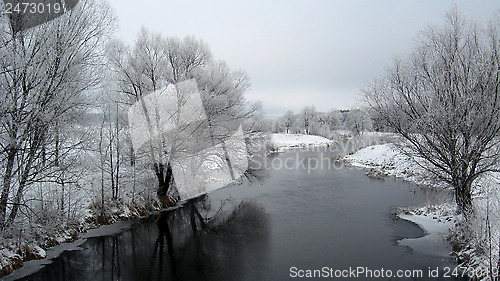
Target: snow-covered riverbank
(282, 142)
(436, 222)
(15, 251)
(387, 160)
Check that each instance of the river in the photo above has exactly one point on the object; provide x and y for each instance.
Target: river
(305, 215)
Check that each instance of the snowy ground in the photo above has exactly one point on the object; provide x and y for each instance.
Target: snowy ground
(387, 160)
(436, 222)
(281, 142)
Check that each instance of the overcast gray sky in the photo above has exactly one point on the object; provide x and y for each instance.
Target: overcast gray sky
(298, 53)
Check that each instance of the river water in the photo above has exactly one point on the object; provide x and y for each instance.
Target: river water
(305, 215)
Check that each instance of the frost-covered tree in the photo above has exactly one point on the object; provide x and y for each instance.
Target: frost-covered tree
(151, 64)
(44, 72)
(358, 120)
(222, 93)
(334, 119)
(155, 62)
(288, 119)
(444, 100)
(308, 119)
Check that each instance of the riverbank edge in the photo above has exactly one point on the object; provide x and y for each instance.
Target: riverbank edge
(14, 256)
(113, 227)
(282, 142)
(435, 220)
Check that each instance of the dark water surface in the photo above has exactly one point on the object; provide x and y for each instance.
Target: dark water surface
(298, 217)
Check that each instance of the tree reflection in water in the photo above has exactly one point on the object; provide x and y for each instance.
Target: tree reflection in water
(200, 241)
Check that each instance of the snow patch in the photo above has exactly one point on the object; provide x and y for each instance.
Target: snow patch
(436, 222)
(282, 141)
(388, 160)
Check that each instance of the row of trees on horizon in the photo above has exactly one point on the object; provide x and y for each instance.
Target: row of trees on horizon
(326, 124)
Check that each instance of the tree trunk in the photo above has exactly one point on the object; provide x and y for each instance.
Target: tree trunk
(117, 177)
(132, 157)
(7, 178)
(165, 180)
(111, 164)
(159, 171)
(463, 198)
(57, 146)
(62, 193)
(22, 185)
(102, 158)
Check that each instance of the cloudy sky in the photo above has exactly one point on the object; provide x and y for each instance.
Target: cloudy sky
(303, 52)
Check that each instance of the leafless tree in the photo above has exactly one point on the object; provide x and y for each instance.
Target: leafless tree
(44, 72)
(289, 119)
(154, 63)
(334, 118)
(444, 100)
(358, 120)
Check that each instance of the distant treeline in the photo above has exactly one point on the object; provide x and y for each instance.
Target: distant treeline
(313, 122)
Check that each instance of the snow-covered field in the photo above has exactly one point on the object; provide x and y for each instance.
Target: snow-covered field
(281, 142)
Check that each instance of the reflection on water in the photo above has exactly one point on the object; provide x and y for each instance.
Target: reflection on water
(196, 242)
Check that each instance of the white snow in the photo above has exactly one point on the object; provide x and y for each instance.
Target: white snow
(282, 141)
(8, 254)
(388, 160)
(9, 260)
(39, 251)
(376, 155)
(434, 240)
(436, 222)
